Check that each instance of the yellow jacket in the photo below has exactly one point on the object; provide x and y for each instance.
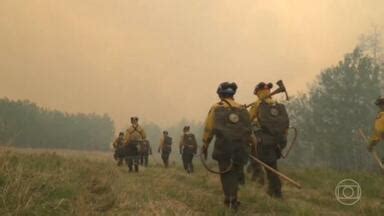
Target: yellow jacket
(210, 120)
(378, 133)
(135, 133)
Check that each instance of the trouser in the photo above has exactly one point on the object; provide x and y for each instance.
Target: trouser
(230, 180)
(187, 162)
(165, 158)
(144, 159)
(119, 155)
(269, 153)
(133, 163)
(257, 172)
(132, 158)
(274, 182)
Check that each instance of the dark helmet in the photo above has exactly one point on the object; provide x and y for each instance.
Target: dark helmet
(261, 86)
(379, 101)
(165, 132)
(186, 128)
(227, 89)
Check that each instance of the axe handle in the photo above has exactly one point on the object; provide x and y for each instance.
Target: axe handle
(286, 95)
(296, 184)
(249, 105)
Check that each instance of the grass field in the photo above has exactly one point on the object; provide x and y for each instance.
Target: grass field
(88, 183)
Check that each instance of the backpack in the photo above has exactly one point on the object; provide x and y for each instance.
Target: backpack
(274, 120)
(189, 142)
(232, 123)
(167, 148)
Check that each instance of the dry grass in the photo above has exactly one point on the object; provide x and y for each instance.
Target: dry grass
(42, 182)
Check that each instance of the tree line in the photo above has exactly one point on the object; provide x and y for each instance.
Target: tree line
(24, 124)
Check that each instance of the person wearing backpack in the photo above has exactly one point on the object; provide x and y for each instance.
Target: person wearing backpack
(229, 123)
(133, 137)
(188, 148)
(271, 124)
(118, 146)
(165, 148)
(145, 151)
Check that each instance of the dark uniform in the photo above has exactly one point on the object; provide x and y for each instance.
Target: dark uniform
(133, 137)
(165, 148)
(229, 122)
(271, 135)
(145, 151)
(118, 145)
(188, 148)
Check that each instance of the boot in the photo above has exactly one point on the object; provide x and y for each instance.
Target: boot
(232, 203)
(260, 180)
(275, 194)
(119, 162)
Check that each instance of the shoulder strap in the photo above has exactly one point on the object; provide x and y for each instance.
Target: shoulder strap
(225, 101)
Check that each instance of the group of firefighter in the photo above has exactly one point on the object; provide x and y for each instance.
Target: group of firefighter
(134, 148)
(254, 134)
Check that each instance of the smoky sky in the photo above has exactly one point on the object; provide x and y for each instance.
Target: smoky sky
(162, 60)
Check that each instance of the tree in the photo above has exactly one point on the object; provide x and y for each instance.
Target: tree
(24, 124)
(371, 44)
(338, 103)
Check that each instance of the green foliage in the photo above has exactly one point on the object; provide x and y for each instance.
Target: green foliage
(24, 124)
(339, 103)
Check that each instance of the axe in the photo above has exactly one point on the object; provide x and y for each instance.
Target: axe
(281, 88)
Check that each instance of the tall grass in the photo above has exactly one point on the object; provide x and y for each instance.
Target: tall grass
(46, 183)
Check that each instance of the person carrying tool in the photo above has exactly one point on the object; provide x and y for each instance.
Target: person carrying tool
(378, 133)
(272, 123)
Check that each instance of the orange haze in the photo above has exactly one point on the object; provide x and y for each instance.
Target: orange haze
(163, 59)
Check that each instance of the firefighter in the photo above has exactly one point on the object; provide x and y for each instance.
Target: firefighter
(271, 124)
(229, 123)
(188, 148)
(165, 148)
(118, 146)
(133, 138)
(378, 134)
